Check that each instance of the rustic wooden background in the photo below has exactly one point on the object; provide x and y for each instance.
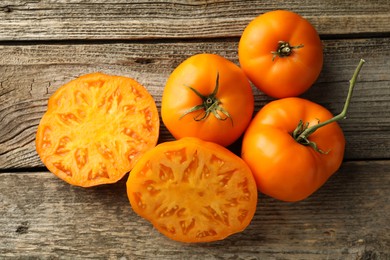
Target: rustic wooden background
(45, 43)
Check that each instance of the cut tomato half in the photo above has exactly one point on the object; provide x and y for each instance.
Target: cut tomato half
(193, 191)
(95, 128)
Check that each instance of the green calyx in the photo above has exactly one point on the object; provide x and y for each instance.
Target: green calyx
(210, 105)
(303, 131)
(284, 49)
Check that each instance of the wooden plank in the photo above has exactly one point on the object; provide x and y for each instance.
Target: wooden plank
(64, 20)
(42, 216)
(29, 74)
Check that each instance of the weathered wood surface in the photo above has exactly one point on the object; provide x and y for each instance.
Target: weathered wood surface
(31, 73)
(122, 19)
(45, 43)
(346, 219)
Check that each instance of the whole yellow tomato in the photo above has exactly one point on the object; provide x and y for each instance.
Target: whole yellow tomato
(284, 168)
(294, 145)
(281, 53)
(209, 97)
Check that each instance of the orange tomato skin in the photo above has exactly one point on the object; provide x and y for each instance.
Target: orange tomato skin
(200, 72)
(284, 76)
(283, 168)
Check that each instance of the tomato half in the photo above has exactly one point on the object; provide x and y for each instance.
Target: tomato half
(95, 128)
(281, 53)
(193, 191)
(209, 97)
(284, 167)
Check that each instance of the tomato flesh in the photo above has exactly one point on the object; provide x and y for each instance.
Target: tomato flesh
(95, 129)
(193, 191)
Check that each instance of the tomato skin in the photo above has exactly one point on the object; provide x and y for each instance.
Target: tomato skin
(193, 191)
(200, 72)
(283, 168)
(284, 76)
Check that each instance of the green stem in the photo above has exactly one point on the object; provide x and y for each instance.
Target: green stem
(302, 137)
(210, 104)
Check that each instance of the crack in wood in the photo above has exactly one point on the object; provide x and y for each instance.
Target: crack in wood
(23, 228)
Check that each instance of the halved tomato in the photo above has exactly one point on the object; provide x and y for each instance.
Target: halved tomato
(95, 128)
(193, 191)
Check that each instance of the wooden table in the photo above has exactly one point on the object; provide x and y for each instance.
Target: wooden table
(44, 44)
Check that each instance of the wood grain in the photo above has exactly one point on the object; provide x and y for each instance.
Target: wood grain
(121, 19)
(347, 218)
(45, 43)
(29, 74)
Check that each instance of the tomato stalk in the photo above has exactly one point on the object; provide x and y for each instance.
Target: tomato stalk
(210, 104)
(303, 131)
(284, 49)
